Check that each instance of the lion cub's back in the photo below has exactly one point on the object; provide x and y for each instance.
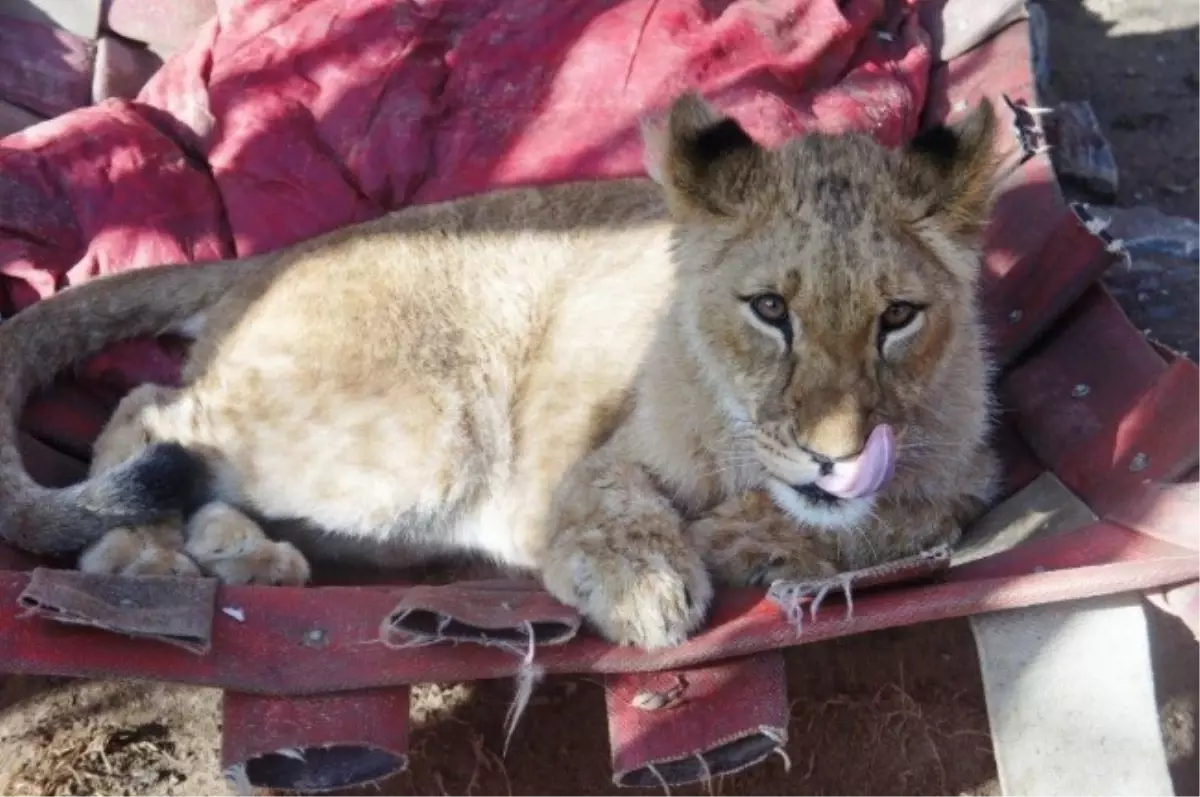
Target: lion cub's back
(390, 354)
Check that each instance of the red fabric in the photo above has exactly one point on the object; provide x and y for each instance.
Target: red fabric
(691, 725)
(287, 118)
(314, 743)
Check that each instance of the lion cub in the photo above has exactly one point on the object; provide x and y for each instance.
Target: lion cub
(758, 365)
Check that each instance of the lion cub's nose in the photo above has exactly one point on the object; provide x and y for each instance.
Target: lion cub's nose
(824, 463)
(838, 434)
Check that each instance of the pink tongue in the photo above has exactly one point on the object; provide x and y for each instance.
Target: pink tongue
(867, 472)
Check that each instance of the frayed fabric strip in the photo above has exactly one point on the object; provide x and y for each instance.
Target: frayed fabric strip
(527, 679)
(791, 597)
(495, 613)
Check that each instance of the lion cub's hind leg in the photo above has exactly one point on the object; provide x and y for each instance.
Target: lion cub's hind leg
(233, 548)
(142, 551)
(217, 540)
(155, 550)
(131, 429)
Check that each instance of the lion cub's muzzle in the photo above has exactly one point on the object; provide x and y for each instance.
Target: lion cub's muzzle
(847, 478)
(864, 473)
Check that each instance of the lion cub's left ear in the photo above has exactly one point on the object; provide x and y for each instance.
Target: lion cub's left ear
(706, 163)
(950, 173)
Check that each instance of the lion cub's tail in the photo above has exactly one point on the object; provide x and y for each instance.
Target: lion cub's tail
(57, 333)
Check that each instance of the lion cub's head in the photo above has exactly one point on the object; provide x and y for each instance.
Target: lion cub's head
(827, 294)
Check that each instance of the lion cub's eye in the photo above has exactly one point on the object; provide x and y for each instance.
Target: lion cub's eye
(770, 307)
(898, 315)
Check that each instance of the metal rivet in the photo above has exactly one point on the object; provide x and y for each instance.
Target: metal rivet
(1015, 316)
(1139, 462)
(1080, 390)
(315, 637)
(126, 602)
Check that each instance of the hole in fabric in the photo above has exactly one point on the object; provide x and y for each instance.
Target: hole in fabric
(432, 625)
(721, 760)
(309, 769)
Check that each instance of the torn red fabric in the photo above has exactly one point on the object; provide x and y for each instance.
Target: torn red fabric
(284, 119)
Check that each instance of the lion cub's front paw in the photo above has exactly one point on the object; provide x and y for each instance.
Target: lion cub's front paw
(747, 541)
(648, 599)
(138, 551)
(231, 547)
(762, 568)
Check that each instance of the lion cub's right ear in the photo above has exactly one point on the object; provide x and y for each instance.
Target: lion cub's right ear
(706, 163)
(951, 171)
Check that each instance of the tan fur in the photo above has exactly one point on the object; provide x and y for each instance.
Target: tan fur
(562, 379)
(144, 551)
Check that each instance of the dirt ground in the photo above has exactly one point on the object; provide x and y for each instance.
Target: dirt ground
(896, 712)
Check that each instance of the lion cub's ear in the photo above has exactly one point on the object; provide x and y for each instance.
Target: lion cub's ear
(706, 163)
(950, 173)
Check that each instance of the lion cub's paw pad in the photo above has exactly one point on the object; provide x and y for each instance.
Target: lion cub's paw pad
(127, 552)
(232, 548)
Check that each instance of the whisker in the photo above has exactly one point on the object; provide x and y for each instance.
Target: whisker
(750, 460)
(919, 441)
(930, 446)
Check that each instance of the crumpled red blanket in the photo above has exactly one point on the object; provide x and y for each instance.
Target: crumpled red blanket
(288, 118)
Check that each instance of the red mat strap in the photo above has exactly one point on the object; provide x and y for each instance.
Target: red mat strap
(178, 611)
(315, 743)
(673, 728)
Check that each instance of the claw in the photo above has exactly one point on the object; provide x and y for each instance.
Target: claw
(790, 596)
(816, 601)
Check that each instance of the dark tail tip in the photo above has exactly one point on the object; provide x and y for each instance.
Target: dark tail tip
(167, 477)
(163, 480)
